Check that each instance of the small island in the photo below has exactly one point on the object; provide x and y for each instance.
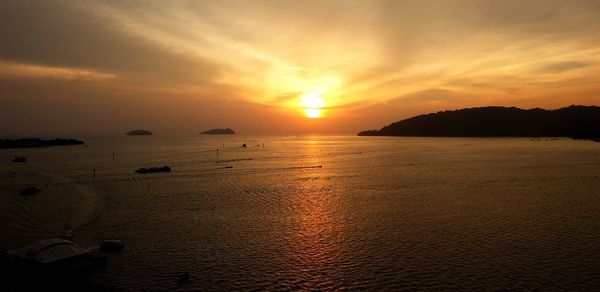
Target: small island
(138, 133)
(226, 131)
(36, 142)
(576, 121)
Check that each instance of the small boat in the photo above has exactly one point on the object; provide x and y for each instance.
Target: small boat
(68, 235)
(30, 191)
(153, 169)
(111, 245)
(19, 159)
(54, 257)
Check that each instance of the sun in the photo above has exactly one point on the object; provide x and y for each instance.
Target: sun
(312, 103)
(312, 113)
(312, 100)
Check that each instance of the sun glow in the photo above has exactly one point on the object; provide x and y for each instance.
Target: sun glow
(312, 113)
(312, 103)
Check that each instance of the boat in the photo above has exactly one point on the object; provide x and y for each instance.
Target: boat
(68, 235)
(30, 191)
(54, 257)
(53, 264)
(19, 159)
(145, 170)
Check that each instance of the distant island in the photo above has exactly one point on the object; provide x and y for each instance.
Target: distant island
(138, 132)
(576, 121)
(226, 131)
(36, 142)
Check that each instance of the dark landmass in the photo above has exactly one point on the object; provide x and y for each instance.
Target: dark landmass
(595, 139)
(145, 170)
(226, 131)
(581, 122)
(138, 133)
(30, 191)
(36, 142)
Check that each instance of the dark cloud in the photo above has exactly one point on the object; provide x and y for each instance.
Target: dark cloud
(186, 64)
(61, 33)
(560, 67)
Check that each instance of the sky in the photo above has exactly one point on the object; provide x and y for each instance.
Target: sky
(285, 67)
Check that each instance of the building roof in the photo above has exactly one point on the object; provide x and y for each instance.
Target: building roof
(49, 250)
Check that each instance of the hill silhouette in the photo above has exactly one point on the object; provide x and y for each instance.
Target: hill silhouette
(138, 133)
(226, 131)
(574, 121)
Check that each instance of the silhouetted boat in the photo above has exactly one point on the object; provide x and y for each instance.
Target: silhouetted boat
(29, 191)
(145, 170)
(68, 234)
(19, 159)
(56, 257)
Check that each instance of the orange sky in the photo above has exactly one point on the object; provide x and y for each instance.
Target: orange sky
(105, 67)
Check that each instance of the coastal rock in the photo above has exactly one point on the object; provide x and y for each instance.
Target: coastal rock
(138, 133)
(36, 142)
(226, 131)
(589, 138)
(368, 133)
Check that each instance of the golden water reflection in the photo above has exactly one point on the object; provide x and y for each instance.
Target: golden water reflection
(314, 237)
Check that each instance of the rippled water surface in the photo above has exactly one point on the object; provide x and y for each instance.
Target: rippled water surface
(396, 213)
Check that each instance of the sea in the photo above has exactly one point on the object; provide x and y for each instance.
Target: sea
(317, 212)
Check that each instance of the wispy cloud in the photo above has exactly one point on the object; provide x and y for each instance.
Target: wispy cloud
(560, 67)
(373, 59)
(25, 71)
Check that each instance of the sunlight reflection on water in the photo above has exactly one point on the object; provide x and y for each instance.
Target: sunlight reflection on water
(396, 213)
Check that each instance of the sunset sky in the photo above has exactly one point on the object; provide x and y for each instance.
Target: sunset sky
(263, 67)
